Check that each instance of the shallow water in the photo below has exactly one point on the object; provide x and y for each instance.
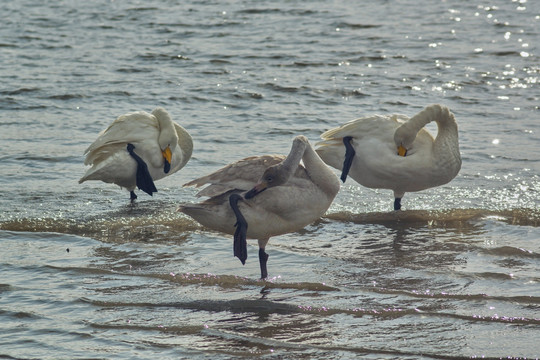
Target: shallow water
(85, 274)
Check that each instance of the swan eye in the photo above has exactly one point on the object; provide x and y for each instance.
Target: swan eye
(269, 179)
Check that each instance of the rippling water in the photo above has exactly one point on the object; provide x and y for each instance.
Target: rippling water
(84, 274)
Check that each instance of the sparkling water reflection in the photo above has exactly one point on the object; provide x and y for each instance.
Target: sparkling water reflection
(454, 275)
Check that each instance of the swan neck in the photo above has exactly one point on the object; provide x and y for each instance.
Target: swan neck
(446, 144)
(164, 120)
(421, 119)
(292, 160)
(446, 123)
(319, 172)
(167, 132)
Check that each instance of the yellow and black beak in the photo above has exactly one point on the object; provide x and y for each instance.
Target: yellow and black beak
(401, 150)
(167, 156)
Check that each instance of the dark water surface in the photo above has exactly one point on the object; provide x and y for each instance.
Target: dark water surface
(84, 274)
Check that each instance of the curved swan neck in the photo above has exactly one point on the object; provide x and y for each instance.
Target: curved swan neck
(446, 144)
(446, 124)
(167, 132)
(163, 118)
(318, 171)
(438, 113)
(295, 155)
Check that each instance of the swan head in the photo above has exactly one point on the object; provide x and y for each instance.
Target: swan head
(272, 176)
(168, 138)
(404, 138)
(279, 174)
(167, 158)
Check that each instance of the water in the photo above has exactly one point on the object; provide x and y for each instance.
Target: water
(454, 275)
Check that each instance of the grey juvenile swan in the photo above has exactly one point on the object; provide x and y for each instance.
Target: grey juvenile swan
(264, 196)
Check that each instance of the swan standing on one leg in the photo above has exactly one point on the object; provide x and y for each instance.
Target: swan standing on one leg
(137, 149)
(395, 152)
(265, 196)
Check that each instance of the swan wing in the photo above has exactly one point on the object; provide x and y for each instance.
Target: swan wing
(114, 166)
(240, 175)
(128, 128)
(183, 151)
(370, 126)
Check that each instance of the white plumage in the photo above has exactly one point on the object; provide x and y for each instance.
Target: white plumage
(375, 139)
(156, 139)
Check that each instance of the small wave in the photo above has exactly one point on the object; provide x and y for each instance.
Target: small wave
(21, 315)
(65, 97)
(49, 159)
(308, 64)
(466, 297)
(142, 8)
(5, 288)
(298, 12)
(261, 306)
(131, 325)
(162, 222)
(118, 93)
(506, 53)
(352, 93)
(484, 318)
(115, 229)
(20, 91)
(159, 56)
(509, 251)
(279, 88)
(259, 11)
(527, 217)
(220, 71)
(134, 70)
(248, 95)
(357, 26)
(230, 281)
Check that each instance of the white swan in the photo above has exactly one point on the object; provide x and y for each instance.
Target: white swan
(368, 149)
(284, 197)
(138, 148)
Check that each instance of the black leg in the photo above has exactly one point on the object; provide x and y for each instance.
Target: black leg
(349, 156)
(263, 259)
(397, 204)
(132, 196)
(240, 242)
(143, 178)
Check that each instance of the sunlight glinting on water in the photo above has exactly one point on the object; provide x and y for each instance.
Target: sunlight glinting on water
(87, 274)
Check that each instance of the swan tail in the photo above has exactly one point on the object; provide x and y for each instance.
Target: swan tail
(332, 152)
(98, 172)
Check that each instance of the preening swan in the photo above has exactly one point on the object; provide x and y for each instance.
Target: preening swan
(138, 148)
(395, 152)
(265, 196)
